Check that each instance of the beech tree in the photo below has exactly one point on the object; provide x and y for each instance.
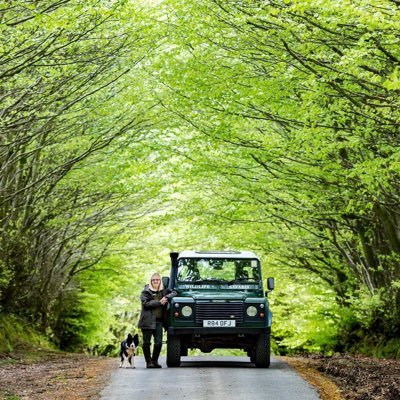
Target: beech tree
(303, 96)
(263, 124)
(67, 81)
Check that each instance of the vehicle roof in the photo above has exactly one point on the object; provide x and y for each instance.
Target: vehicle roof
(217, 254)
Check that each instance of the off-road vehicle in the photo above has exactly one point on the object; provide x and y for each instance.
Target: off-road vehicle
(220, 303)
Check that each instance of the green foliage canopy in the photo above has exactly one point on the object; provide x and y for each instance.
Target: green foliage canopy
(302, 98)
(70, 84)
(132, 128)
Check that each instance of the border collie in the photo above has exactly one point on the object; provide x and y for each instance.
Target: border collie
(128, 351)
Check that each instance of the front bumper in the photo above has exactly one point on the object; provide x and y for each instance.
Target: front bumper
(217, 331)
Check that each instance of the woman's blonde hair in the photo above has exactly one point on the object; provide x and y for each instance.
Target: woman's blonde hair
(160, 285)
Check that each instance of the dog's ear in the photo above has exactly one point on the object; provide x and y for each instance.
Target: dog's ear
(136, 340)
(129, 339)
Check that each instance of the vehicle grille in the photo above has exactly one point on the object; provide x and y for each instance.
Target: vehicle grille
(228, 310)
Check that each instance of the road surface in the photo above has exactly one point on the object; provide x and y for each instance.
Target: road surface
(208, 377)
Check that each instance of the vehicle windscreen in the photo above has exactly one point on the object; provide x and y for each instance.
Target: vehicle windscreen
(218, 270)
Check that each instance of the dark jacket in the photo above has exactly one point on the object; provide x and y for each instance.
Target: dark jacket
(147, 319)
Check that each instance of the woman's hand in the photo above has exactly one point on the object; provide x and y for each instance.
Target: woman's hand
(164, 301)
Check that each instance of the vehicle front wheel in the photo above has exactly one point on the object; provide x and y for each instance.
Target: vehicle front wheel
(173, 351)
(263, 351)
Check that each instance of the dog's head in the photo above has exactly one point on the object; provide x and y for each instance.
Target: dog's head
(132, 342)
(131, 349)
(132, 339)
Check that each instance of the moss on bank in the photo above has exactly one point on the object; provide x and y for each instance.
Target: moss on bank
(16, 335)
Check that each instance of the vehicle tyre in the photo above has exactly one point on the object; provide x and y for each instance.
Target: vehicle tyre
(173, 351)
(263, 351)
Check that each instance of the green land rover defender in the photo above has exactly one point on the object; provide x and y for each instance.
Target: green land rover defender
(220, 303)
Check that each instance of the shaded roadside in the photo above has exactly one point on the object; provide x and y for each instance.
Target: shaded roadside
(357, 377)
(54, 375)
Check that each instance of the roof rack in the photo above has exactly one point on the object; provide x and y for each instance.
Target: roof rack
(217, 252)
(228, 254)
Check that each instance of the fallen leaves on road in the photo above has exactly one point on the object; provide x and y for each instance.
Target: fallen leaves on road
(59, 376)
(358, 377)
(325, 387)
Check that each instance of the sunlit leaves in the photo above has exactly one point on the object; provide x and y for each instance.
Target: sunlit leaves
(73, 97)
(297, 98)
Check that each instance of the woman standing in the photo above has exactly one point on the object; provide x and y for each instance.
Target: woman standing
(154, 299)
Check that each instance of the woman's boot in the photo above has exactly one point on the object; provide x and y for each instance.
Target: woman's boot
(156, 354)
(147, 356)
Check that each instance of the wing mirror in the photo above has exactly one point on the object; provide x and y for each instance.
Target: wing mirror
(270, 285)
(165, 281)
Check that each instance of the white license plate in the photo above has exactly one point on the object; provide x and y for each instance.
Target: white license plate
(219, 323)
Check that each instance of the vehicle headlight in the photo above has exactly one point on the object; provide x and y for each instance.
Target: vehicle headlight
(251, 311)
(187, 311)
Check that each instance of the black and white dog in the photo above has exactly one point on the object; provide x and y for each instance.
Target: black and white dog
(128, 351)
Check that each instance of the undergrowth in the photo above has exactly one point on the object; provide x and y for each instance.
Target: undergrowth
(16, 336)
(379, 348)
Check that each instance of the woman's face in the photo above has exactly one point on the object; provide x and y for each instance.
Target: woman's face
(155, 280)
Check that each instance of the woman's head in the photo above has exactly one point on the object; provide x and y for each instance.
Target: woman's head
(156, 282)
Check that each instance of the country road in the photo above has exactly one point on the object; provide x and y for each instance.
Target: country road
(209, 377)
